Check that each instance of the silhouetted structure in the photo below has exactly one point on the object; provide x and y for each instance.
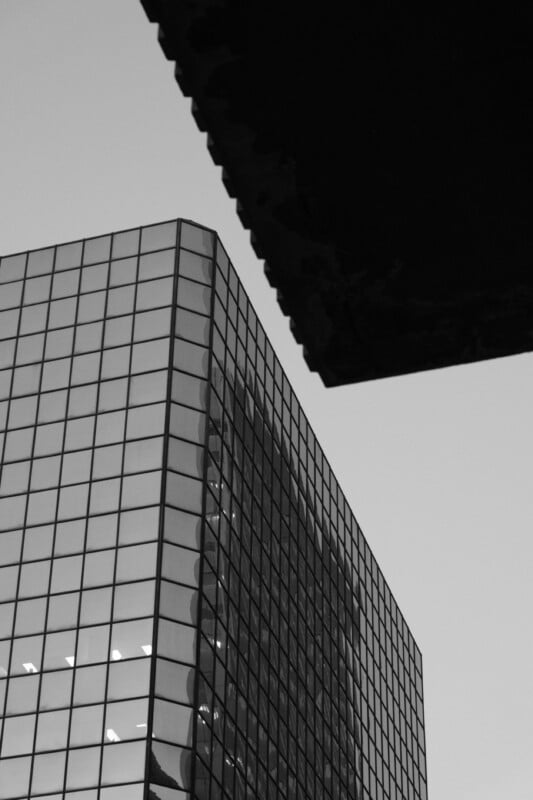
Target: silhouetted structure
(381, 157)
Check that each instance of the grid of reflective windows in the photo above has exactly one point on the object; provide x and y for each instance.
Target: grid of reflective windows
(187, 604)
(310, 682)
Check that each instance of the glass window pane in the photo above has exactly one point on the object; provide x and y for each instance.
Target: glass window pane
(59, 343)
(142, 455)
(96, 250)
(116, 362)
(68, 255)
(184, 492)
(18, 735)
(30, 616)
(22, 694)
(12, 267)
(192, 326)
(45, 472)
(56, 688)
(151, 324)
(38, 542)
(173, 766)
(82, 401)
(23, 412)
(41, 507)
(89, 685)
(180, 565)
(120, 301)
(99, 568)
(15, 478)
(88, 337)
(131, 639)
(92, 645)
(194, 296)
(85, 368)
(105, 496)
(94, 278)
(175, 681)
(40, 261)
(53, 406)
(30, 348)
(153, 294)
(150, 355)
(63, 611)
(107, 461)
(146, 421)
(83, 767)
(11, 295)
(177, 642)
(86, 725)
(48, 773)
(56, 374)
(155, 237)
(118, 331)
(110, 427)
(113, 394)
(196, 267)
(128, 679)
(26, 655)
(37, 290)
(62, 313)
(72, 501)
(59, 650)
(49, 438)
(9, 321)
(139, 525)
(34, 578)
(102, 532)
(126, 720)
(66, 574)
(172, 722)
(12, 512)
(186, 423)
(91, 307)
(191, 358)
(197, 239)
(79, 433)
(156, 265)
(136, 562)
(148, 388)
(10, 544)
(66, 283)
(8, 585)
(95, 606)
(124, 271)
(123, 762)
(52, 730)
(125, 243)
(14, 777)
(134, 600)
(188, 390)
(26, 380)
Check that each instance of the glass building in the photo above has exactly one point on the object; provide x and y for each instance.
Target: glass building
(188, 608)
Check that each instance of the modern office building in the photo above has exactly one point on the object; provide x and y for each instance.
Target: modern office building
(188, 608)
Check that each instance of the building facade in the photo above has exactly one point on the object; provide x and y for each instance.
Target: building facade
(188, 608)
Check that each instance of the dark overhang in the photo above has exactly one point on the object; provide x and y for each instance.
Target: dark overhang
(382, 160)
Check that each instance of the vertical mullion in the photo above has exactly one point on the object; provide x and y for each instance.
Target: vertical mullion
(162, 499)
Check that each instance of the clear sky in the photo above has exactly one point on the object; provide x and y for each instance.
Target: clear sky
(438, 467)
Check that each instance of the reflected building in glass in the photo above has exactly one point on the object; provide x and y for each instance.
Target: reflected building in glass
(188, 608)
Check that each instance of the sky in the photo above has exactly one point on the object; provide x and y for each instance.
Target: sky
(95, 136)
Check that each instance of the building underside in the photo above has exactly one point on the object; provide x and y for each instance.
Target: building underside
(382, 162)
